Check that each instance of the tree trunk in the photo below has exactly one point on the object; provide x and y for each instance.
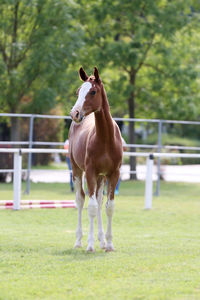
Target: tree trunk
(131, 107)
(15, 129)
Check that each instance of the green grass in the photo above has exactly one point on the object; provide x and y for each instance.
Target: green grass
(157, 252)
(51, 166)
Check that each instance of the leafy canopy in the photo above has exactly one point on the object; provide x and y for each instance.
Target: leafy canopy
(38, 40)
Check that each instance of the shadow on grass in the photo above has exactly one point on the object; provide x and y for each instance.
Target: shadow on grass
(81, 254)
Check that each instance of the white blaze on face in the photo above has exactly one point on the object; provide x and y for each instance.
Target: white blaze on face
(86, 86)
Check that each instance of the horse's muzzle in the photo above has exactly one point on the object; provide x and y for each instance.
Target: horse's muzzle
(76, 116)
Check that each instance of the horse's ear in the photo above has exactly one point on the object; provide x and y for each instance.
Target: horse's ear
(82, 74)
(96, 75)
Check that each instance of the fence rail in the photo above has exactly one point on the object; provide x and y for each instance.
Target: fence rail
(149, 167)
(126, 153)
(158, 147)
(145, 146)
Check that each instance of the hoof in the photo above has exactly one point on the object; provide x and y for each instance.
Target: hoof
(103, 245)
(90, 249)
(77, 245)
(109, 248)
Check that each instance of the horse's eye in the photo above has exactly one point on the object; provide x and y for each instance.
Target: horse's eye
(93, 93)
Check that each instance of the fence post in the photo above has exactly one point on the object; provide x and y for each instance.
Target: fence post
(157, 192)
(149, 182)
(17, 180)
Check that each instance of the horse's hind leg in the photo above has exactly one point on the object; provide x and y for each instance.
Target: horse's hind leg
(99, 195)
(80, 199)
(110, 204)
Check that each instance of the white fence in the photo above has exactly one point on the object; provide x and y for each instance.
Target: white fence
(149, 168)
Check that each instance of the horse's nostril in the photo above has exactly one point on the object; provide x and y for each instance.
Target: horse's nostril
(77, 115)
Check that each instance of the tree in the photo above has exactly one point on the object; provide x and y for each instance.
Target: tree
(170, 82)
(38, 40)
(130, 36)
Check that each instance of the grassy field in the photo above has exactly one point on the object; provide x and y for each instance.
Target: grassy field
(157, 252)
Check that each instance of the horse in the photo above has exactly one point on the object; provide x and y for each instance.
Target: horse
(95, 147)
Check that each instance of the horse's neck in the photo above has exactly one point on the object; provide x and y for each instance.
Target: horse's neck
(103, 121)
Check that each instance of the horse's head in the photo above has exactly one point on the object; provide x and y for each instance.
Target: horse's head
(89, 96)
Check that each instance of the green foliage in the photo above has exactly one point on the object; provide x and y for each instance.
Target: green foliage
(170, 87)
(148, 48)
(38, 41)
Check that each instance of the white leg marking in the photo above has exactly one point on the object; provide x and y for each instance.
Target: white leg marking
(79, 203)
(101, 236)
(109, 212)
(92, 212)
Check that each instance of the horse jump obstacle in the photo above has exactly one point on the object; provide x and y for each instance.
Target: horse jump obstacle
(16, 204)
(26, 204)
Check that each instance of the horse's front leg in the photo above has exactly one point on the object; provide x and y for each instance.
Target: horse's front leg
(92, 208)
(100, 188)
(80, 199)
(110, 204)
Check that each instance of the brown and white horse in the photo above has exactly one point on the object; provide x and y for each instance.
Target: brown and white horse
(95, 147)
